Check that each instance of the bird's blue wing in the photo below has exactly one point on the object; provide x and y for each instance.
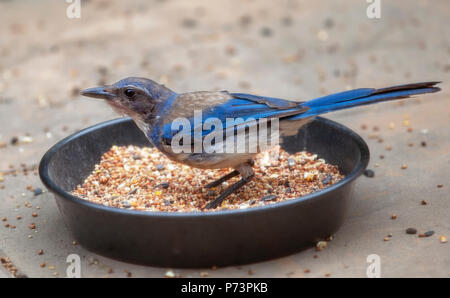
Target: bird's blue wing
(249, 109)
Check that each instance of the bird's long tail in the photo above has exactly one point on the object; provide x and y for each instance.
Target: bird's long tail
(364, 96)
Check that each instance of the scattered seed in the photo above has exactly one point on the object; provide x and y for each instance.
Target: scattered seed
(268, 198)
(38, 191)
(443, 239)
(27, 139)
(404, 167)
(423, 144)
(32, 226)
(291, 162)
(164, 185)
(329, 23)
(426, 234)
(327, 180)
(43, 264)
(394, 216)
(170, 274)
(245, 20)
(386, 239)
(286, 21)
(34, 214)
(423, 202)
(14, 140)
(411, 231)
(307, 270)
(189, 23)
(40, 252)
(266, 32)
(369, 173)
(4, 219)
(204, 274)
(321, 245)
(125, 204)
(429, 233)
(440, 185)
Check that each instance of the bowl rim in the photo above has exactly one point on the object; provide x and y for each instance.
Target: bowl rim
(58, 191)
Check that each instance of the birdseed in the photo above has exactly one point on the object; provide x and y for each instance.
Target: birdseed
(123, 181)
(411, 231)
(369, 173)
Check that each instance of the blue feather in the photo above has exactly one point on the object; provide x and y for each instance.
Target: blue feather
(360, 97)
(247, 110)
(252, 107)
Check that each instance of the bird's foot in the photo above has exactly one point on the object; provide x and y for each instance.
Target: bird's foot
(217, 201)
(222, 179)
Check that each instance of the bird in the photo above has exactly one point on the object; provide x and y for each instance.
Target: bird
(155, 108)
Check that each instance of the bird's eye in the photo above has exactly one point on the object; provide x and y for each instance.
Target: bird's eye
(130, 93)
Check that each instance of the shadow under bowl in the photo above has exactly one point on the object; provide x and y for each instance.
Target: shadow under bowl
(196, 239)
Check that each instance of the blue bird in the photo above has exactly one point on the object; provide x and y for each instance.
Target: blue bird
(155, 108)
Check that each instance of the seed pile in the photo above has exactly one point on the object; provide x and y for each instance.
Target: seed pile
(144, 179)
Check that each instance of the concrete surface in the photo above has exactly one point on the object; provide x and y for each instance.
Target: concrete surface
(294, 49)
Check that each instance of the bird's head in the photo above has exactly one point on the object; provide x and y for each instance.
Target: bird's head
(135, 97)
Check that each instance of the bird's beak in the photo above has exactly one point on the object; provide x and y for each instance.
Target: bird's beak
(104, 92)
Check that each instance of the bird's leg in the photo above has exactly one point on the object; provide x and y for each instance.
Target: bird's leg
(222, 179)
(247, 173)
(217, 201)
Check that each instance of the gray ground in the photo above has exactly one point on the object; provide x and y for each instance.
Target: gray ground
(292, 49)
